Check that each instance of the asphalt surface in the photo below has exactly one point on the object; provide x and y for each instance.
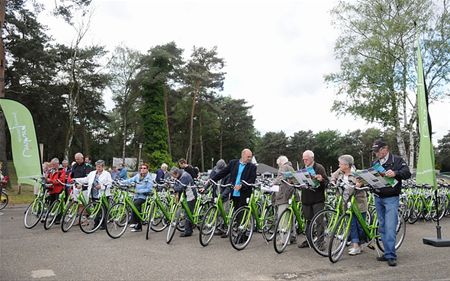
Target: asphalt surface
(37, 254)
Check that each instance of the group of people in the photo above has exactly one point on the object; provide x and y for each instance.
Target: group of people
(241, 170)
(386, 199)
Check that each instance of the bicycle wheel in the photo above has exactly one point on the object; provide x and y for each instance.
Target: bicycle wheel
(269, 223)
(69, 216)
(3, 200)
(208, 226)
(283, 230)
(117, 220)
(339, 238)
(319, 231)
(158, 220)
(440, 212)
(400, 237)
(91, 217)
(33, 214)
(52, 212)
(173, 224)
(241, 228)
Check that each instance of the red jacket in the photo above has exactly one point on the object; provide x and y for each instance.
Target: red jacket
(53, 177)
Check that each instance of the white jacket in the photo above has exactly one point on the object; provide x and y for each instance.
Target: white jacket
(104, 180)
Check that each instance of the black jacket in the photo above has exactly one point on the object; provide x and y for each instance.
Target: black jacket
(310, 197)
(401, 169)
(248, 175)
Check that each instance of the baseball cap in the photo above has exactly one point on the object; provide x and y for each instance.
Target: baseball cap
(378, 144)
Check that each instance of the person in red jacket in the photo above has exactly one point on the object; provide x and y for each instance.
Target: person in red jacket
(57, 177)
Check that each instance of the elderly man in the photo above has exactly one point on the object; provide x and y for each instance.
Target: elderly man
(239, 170)
(387, 199)
(185, 184)
(79, 169)
(313, 201)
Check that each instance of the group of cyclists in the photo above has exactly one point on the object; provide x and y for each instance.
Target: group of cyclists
(93, 181)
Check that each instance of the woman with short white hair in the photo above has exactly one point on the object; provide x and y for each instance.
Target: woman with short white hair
(345, 175)
(281, 198)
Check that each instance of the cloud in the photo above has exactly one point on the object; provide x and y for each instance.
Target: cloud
(276, 52)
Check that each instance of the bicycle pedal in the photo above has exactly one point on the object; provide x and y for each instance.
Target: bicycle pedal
(370, 246)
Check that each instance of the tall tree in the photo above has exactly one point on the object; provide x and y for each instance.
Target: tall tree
(202, 77)
(443, 152)
(377, 59)
(123, 68)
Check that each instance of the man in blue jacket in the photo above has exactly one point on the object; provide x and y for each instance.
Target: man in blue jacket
(387, 198)
(144, 185)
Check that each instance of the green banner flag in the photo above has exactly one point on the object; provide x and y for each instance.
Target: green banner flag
(425, 173)
(25, 148)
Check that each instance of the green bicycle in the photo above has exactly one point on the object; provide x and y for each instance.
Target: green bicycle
(285, 224)
(341, 230)
(38, 207)
(215, 216)
(57, 208)
(248, 218)
(118, 215)
(180, 210)
(71, 212)
(160, 207)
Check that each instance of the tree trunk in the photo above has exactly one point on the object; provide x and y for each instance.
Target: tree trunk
(221, 144)
(2, 94)
(166, 113)
(191, 127)
(202, 158)
(124, 139)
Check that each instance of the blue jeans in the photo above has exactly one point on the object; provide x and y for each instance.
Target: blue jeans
(387, 210)
(356, 231)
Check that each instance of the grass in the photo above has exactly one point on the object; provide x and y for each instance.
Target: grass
(25, 197)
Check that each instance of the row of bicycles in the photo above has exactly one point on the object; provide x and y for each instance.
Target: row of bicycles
(165, 210)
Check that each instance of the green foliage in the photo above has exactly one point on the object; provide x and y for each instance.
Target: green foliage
(443, 153)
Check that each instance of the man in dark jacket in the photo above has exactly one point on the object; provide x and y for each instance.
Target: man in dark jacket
(313, 201)
(239, 170)
(387, 198)
(183, 164)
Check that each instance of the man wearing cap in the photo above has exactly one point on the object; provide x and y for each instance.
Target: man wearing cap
(387, 198)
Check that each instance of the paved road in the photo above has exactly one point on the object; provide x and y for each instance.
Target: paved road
(38, 254)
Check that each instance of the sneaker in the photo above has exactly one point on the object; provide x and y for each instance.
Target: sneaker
(292, 240)
(354, 251)
(136, 229)
(224, 235)
(218, 232)
(304, 244)
(392, 262)
(185, 234)
(133, 225)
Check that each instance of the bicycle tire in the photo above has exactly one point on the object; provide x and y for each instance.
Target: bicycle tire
(269, 223)
(117, 220)
(51, 214)
(319, 238)
(283, 230)
(89, 224)
(241, 228)
(400, 229)
(69, 216)
(173, 226)
(3, 200)
(338, 238)
(33, 214)
(208, 226)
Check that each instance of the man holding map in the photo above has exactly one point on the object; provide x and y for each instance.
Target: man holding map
(313, 201)
(387, 198)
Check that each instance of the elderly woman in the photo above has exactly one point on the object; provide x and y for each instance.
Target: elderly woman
(281, 198)
(345, 175)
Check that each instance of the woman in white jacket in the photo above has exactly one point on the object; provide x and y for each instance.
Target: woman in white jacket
(99, 181)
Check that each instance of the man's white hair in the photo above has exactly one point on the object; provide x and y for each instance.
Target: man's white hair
(309, 153)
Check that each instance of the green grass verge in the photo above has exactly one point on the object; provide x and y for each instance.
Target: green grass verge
(25, 197)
